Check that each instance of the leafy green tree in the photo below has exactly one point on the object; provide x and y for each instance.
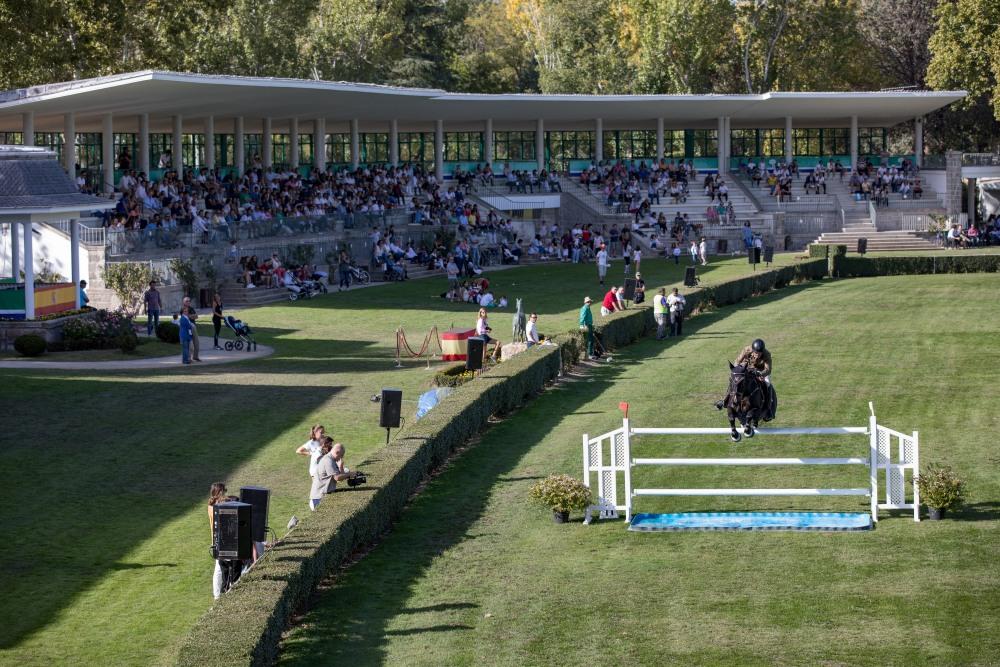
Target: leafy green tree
(353, 40)
(128, 280)
(492, 57)
(965, 50)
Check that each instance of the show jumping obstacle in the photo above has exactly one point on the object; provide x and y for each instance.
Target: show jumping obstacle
(610, 454)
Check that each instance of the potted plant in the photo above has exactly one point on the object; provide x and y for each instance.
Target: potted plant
(562, 494)
(941, 489)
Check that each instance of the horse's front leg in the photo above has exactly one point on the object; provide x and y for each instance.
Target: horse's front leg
(734, 434)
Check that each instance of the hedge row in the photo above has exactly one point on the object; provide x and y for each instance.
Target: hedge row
(244, 627)
(857, 267)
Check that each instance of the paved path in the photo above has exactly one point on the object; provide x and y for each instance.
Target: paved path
(209, 357)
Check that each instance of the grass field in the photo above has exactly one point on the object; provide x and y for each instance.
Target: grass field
(475, 575)
(147, 348)
(105, 474)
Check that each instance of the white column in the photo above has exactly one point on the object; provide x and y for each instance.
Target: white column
(293, 137)
(69, 145)
(720, 144)
(394, 142)
(268, 157)
(15, 251)
(788, 140)
(178, 144)
(319, 144)
(439, 150)
(540, 144)
(28, 128)
(918, 141)
(144, 143)
(488, 142)
(74, 254)
(355, 144)
(210, 142)
(659, 140)
(854, 143)
(599, 140)
(239, 146)
(29, 274)
(107, 153)
(728, 140)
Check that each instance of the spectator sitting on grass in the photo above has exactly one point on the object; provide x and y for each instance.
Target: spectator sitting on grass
(486, 300)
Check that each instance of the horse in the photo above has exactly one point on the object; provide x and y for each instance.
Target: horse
(519, 325)
(746, 400)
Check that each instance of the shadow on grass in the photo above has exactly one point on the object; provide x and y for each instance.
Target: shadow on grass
(987, 511)
(350, 621)
(132, 460)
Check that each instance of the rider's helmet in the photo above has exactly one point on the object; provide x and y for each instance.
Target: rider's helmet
(758, 345)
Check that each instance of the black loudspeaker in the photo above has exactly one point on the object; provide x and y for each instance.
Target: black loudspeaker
(474, 351)
(768, 254)
(690, 277)
(231, 532)
(630, 289)
(392, 402)
(753, 254)
(862, 245)
(259, 498)
(721, 246)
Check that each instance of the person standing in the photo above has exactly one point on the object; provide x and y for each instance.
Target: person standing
(217, 318)
(217, 494)
(587, 324)
(637, 257)
(675, 250)
(84, 299)
(344, 271)
(703, 251)
(153, 305)
(185, 333)
(602, 263)
(312, 447)
(193, 317)
(660, 313)
(694, 252)
(676, 304)
(531, 331)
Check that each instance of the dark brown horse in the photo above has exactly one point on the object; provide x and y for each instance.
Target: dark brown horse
(746, 401)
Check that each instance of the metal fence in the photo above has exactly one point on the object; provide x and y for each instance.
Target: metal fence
(160, 269)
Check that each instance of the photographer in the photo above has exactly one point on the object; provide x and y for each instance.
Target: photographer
(329, 470)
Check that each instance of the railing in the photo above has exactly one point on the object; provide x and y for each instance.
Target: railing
(90, 234)
(504, 203)
(981, 159)
(159, 268)
(814, 224)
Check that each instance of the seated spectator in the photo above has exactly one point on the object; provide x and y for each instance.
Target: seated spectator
(531, 330)
(610, 302)
(486, 300)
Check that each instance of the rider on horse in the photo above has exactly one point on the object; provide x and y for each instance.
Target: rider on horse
(756, 357)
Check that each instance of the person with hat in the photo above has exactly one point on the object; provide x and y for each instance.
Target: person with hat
(587, 324)
(640, 289)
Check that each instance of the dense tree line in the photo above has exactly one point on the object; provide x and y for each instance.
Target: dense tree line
(553, 46)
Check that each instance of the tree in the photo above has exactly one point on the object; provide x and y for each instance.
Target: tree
(965, 50)
(492, 57)
(128, 280)
(353, 40)
(759, 26)
(898, 31)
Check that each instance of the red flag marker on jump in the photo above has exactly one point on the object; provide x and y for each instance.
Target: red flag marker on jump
(623, 406)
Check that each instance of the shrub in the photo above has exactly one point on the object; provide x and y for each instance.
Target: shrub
(81, 329)
(857, 267)
(30, 345)
(454, 376)
(168, 332)
(940, 487)
(819, 250)
(561, 493)
(129, 281)
(127, 342)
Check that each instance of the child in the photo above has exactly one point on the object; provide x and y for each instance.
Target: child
(503, 302)
(676, 253)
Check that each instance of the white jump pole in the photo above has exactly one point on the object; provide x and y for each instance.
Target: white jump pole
(751, 492)
(626, 435)
(752, 462)
(873, 460)
(820, 430)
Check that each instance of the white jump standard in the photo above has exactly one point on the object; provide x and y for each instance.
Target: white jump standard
(614, 458)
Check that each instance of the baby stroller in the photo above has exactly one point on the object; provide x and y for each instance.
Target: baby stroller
(244, 336)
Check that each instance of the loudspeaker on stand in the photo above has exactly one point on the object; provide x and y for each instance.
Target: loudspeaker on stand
(392, 401)
(231, 531)
(474, 351)
(258, 498)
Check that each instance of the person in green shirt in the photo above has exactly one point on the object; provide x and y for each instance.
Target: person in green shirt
(660, 310)
(587, 322)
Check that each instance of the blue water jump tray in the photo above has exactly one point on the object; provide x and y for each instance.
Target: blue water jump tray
(751, 521)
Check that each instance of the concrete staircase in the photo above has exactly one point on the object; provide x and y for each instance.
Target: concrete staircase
(877, 241)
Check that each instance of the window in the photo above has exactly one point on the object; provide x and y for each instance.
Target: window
(836, 141)
(89, 150)
(193, 150)
(159, 145)
(11, 138)
(807, 141)
(416, 147)
(705, 143)
(374, 147)
(513, 146)
(564, 146)
(338, 148)
(633, 144)
(305, 149)
(463, 146)
(281, 150)
(772, 143)
(871, 140)
(252, 148)
(127, 142)
(225, 148)
(50, 140)
(743, 143)
(673, 144)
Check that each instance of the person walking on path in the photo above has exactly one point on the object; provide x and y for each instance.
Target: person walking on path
(153, 305)
(602, 263)
(344, 271)
(587, 324)
(217, 318)
(193, 317)
(660, 313)
(186, 327)
(676, 304)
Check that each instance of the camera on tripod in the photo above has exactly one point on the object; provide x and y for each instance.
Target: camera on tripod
(358, 479)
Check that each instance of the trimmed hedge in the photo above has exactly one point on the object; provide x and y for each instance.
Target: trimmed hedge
(30, 345)
(819, 250)
(244, 627)
(168, 332)
(454, 376)
(858, 267)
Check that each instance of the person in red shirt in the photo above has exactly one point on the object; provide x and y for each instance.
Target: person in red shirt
(610, 303)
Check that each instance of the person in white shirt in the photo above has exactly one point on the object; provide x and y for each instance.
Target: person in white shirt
(703, 251)
(676, 303)
(486, 300)
(602, 263)
(531, 330)
(637, 257)
(311, 447)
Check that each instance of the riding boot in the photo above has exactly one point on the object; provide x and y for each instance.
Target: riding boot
(719, 405)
